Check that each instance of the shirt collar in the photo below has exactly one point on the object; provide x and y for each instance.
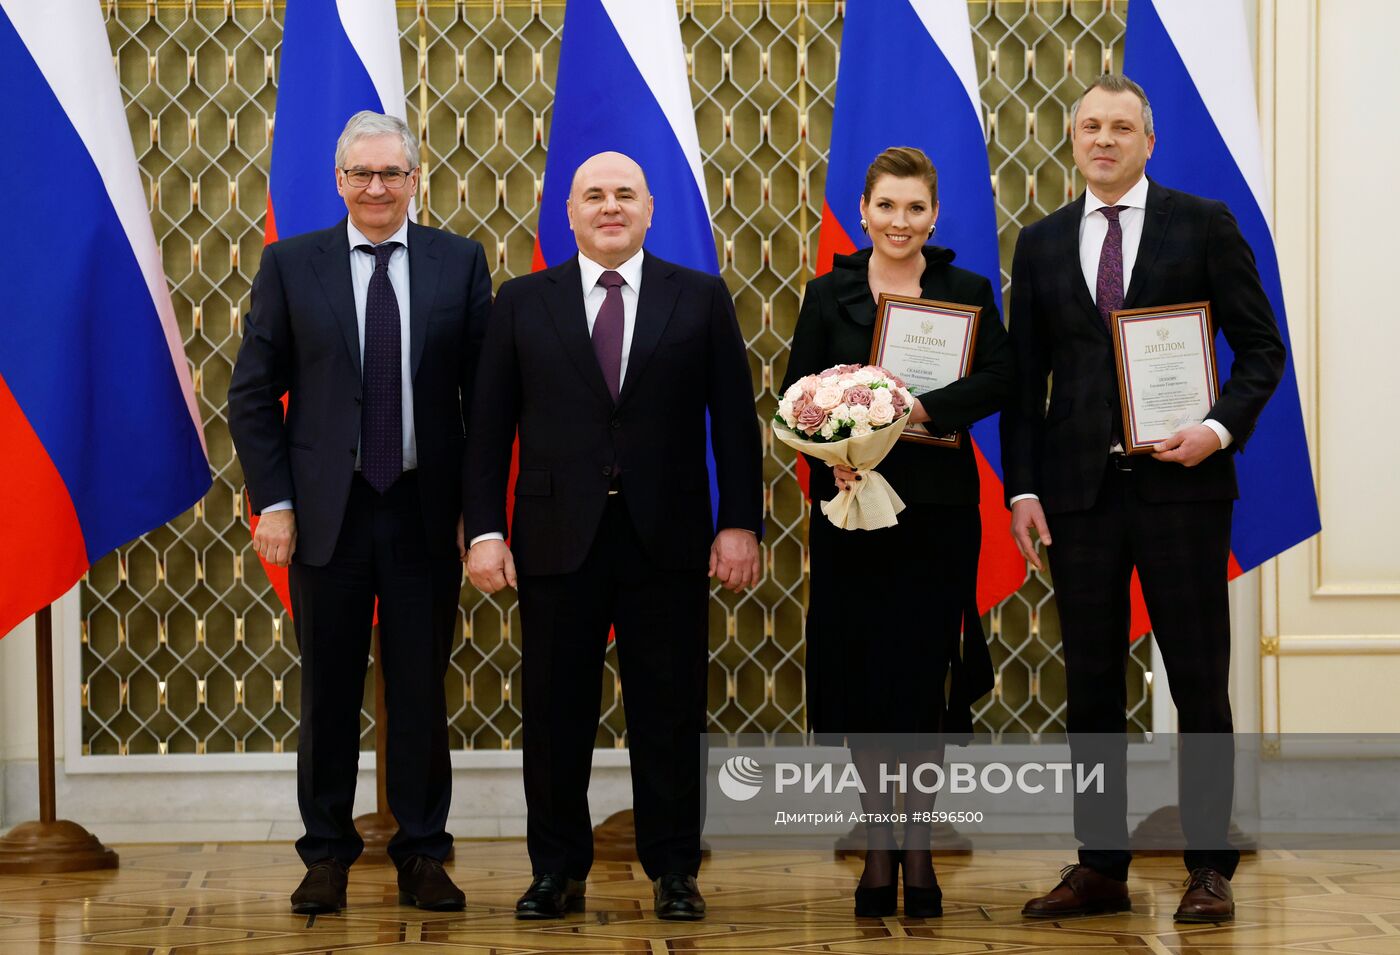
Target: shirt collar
(358, 238)
(1134, 198)
(631, 271)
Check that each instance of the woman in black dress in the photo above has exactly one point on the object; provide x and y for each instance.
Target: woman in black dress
(879, 666)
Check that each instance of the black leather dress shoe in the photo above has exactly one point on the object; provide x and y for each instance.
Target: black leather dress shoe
(550, 896)
(678, 898)
(424, 883)
(322, 889)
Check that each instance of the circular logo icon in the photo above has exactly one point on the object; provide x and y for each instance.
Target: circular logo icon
(740, 778)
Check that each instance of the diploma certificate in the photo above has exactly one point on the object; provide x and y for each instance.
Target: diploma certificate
(1167, 379)
(928, 344)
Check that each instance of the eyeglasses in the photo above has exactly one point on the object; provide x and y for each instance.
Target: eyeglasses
(391, 178)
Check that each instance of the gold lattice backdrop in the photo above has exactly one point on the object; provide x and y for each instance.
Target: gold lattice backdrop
(185, 647)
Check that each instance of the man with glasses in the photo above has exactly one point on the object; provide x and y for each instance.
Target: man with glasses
(371, 328)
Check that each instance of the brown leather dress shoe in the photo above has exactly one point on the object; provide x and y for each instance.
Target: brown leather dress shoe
(1081, 891)
(1208, 898)
(422, 882)
(322, 889)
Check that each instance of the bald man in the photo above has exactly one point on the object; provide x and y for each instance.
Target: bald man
(607, 365)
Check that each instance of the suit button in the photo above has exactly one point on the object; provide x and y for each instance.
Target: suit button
(607, 470)
(615, 424)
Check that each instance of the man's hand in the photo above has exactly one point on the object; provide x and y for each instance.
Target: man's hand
(1190, 446)
(490, 566)
(1026, 514)
(275, 540)
(461, 539)
(734, 558)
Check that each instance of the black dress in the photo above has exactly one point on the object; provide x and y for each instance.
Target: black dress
(879, 665)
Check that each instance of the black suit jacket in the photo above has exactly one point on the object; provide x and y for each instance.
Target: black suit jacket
(539, 374)
(836, 326)
(301, 339)
(1191, 250)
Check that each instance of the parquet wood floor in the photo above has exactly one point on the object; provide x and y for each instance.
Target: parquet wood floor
(232, 898)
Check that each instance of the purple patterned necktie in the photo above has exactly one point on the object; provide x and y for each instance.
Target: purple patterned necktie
(607, 332)
(1109, 297)
(381, 416)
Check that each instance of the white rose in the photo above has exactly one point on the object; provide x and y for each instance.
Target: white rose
(846, 381)
(881, 414)
(794, 391)
(827, 397)
(785, 411)
(828, 429)
(859, 414)
(882, 396)
(867, 375)
(860, 430)
(908, 398)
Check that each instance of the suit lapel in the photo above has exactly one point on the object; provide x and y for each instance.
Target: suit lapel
(656, 301)
(1068, 241)
(424, 270)
(332, 266)
(564, 300)
(1154, 228)
(850, 279)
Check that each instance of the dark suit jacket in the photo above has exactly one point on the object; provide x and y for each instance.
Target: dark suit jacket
(1191, 250)
(539, 374)
(302, 339)
(836, 326)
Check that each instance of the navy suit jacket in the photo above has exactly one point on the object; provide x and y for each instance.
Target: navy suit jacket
(539, 375)
(301, 339)
(1191, 250)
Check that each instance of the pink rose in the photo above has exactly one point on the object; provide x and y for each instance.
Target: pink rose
(898, 401)
(831, 372)
(799, 404)
(858, 395)
(810, 418)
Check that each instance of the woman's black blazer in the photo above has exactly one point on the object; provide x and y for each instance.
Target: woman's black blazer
(836, 326)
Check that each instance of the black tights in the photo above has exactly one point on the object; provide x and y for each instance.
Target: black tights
(880, 857)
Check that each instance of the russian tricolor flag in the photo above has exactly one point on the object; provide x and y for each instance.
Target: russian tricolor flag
(1193, 59)
(338, 57)
(933, 105)
(100, 435)
(622, 86)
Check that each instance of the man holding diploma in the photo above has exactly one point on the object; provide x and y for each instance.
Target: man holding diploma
(1129, 243)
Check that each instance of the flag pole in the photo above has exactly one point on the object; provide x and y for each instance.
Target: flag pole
(50, 844)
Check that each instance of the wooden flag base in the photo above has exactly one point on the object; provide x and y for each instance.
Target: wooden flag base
(58, 846)
(50, 844)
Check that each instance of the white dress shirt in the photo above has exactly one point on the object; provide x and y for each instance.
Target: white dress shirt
(361, 269)
(1093, 229)
(593, 295)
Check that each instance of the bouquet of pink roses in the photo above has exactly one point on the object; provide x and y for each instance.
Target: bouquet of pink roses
(850, 415)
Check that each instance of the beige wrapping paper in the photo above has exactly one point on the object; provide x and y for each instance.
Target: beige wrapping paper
(873, 503)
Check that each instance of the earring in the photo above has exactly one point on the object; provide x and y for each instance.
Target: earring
(864, 226)
(931, 230)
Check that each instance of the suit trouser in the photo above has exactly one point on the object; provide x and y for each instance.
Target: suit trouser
(382, 551)
(1181, 552)
(659, 618)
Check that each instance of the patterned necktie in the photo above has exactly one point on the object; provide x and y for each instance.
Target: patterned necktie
(607, 332)
(381, 415)
(1109, 297)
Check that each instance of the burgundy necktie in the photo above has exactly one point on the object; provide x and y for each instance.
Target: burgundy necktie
(607, 332)
(1109, 297)
(381, 416)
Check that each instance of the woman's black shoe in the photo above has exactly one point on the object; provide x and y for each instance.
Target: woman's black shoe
(879, 901)
(923, 903)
